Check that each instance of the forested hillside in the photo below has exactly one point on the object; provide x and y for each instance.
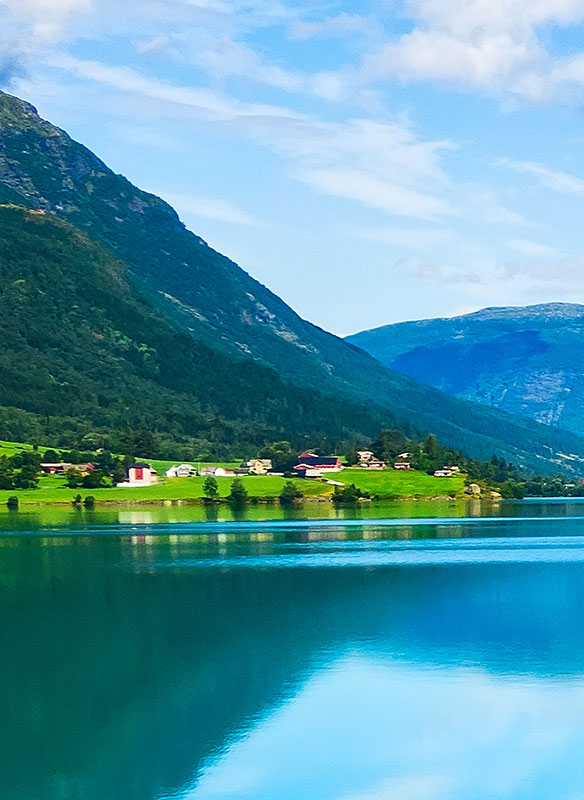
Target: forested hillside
(81, 352)
(211, 300)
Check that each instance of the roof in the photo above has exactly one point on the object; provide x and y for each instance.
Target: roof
(140, 465)
(318, 461)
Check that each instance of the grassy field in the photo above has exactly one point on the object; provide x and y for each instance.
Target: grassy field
(390, 483)
(10, 448)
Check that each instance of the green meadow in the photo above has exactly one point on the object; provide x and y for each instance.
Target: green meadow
(386, 484)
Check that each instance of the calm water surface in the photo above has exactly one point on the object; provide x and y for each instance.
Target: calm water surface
(436, 656)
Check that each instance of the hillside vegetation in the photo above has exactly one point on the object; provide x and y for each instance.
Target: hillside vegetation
(206, 298)
(81, 351)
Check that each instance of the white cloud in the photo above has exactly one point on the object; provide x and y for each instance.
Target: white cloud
(209, 208)
(332, 27)
(40, 20)
(385, 166)
(374, 192)
(498, 45)
(406, 238)
(554, 179)
(527, 247)
(212, 104)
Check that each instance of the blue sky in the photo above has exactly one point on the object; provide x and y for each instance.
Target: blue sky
(370, 162)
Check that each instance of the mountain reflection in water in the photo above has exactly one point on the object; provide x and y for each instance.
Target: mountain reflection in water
(280, 664)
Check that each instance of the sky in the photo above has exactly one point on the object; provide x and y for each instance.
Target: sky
(370, 162)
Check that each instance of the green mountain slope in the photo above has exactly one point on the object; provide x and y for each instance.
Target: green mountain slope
(212, 300)
(80, 351)
(527, 361)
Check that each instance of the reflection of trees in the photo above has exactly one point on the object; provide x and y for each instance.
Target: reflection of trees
(127, 664)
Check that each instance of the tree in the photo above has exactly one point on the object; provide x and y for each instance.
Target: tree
(238, 492)
(290, 492)
(6, 474)
(73, 478)
(51, 457)
(27, 478)
(119, 473)
(351, 457)
(389, 444)
(145, 443)
(349, 494)
(210, 487)
(93, 480)
(282, 454)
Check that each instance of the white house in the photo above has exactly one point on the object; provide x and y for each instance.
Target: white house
(181, 471)
(140, 475)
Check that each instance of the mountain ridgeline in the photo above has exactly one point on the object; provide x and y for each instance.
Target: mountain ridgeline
(527, 361)
(171, 334)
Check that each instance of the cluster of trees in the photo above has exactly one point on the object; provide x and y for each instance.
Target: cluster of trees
(238, 493)
(20, 471)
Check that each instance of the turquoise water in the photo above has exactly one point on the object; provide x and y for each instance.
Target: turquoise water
(369, 659)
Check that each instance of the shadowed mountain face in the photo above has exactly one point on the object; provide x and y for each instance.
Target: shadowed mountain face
(527, 361)
(208, 298)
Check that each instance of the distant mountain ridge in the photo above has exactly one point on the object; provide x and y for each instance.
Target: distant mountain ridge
(524, 360)
(206, 296)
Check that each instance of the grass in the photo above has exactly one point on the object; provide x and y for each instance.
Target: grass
(11, 448)
(387, 484)
(402, 483)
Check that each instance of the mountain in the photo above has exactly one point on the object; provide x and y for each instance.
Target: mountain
(218, 307)
(527, 361)
(81, 350)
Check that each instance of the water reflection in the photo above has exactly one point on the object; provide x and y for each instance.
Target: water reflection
(170, 661)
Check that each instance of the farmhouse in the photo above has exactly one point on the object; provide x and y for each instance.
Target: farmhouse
(365, 455)
(259, 466)
(181, 471)
(61, 467)
(140, 474)
(402, 465)
(308, 464)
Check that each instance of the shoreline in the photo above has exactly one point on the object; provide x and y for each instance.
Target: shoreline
(250, 502)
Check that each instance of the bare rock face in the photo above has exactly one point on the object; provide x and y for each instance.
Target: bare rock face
(526, 361)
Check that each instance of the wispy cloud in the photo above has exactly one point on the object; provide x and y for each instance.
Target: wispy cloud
(332, 27)
(527, 247)
(554, 179)
(212, 104)
(210, 208)
(404, 237)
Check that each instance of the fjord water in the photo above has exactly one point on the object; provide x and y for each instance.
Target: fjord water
(344, 659)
